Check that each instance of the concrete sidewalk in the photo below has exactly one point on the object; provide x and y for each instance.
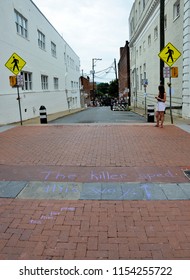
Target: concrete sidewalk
(94, 192)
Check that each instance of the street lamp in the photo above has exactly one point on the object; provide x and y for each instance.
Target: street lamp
(93, 72)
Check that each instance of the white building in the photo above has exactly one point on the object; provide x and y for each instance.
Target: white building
(144, 23)
(52, 70)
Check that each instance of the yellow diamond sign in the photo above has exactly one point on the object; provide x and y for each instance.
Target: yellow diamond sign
(169, 54)
(15, 63)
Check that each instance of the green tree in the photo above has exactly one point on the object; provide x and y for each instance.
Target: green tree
(103, 89)
(107, 91)
(113, 89)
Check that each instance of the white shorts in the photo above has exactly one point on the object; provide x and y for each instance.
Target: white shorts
(161, 106)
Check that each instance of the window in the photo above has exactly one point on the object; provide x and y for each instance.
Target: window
(137, 77)
(165, 22)
(149, 40)
(27, 77)
(156, 33)
(144, 69)
(141, 80)
(56, 83)
(132, 25)
(21, 25)
(140, 50)
(144, 4)
(68, 60)
(53, 49)
(176, 9)
(44, 82)
(144, 46)
(41, 40)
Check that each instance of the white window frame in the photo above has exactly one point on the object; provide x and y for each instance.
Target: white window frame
(144, 46)
(56, 83)
(144, 4)
(41, 40)
(53, 49)
(44, 82)
(21, 24)
(156, 33)
(165, 22)
(27, 78)
(176, 10)
(149, 40)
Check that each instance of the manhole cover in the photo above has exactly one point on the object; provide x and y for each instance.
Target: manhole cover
(187, 173)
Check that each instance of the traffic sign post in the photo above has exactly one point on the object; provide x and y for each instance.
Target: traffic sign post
(15, 64)
(170, 94)
(145, 84)
(18, 98)
(170, 54)
(13, 81)
(174, 72)
(166, 72)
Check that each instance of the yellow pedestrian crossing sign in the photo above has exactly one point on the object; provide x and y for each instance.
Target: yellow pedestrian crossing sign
(169, 54)
(15, 63)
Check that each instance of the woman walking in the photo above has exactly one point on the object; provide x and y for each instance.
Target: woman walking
(161, 98)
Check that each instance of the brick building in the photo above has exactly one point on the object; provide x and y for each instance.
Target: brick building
(124, 74)
(85, 90)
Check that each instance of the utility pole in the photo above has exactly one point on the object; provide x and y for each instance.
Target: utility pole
(117, 82)
(115, 67)
(162, 37)
(93, 72)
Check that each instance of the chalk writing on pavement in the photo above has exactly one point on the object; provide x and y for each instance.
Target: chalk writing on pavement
(103, 176)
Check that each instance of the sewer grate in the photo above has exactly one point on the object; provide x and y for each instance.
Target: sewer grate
(187, 173)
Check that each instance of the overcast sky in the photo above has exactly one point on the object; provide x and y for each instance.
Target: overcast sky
(94, 29)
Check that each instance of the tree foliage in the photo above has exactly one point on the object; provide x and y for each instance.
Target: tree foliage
(108, 89)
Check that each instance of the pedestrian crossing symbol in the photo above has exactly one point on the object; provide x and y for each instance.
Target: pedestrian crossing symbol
(15, 63)
(169, 54)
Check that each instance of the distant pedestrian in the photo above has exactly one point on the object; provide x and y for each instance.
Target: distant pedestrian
(161, 98)
(111, 104)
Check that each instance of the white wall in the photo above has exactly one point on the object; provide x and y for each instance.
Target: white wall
(186, 61)
(146, 21)
(38, 62)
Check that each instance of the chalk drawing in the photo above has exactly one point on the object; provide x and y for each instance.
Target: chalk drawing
(132, 193)
(73, 188)
(125, 194)
(38, 222)
(104, 190)
(57, 176)
(105, 175)
(46, 217)
(68, 209)
(149, 177)
(51, 215)
(146, 189)
(102, 176)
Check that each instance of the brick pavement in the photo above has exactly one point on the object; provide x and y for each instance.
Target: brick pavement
(41, 229)
(95, 145)
(59, 229)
